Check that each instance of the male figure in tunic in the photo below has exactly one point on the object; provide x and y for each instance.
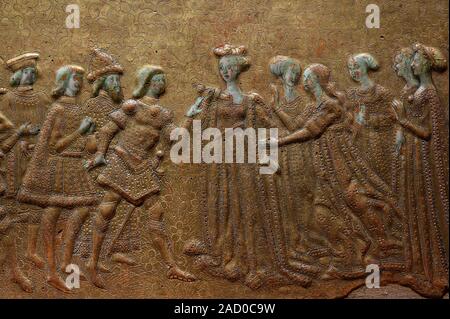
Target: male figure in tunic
(131, 172)
(9, 136)
(104, 75)
(23, 105)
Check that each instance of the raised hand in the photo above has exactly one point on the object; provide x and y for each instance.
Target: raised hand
(28, 129)
(195, 108)
(398, 110)
(86, 125)
(97, 161)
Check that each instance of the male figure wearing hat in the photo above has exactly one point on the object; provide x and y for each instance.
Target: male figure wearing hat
(132, 172)
(104, 74)
(23, 105)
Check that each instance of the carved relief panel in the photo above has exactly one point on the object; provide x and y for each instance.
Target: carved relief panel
(222, 149)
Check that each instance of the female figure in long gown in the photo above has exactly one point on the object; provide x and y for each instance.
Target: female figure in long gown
(243, 235)
(426, 184)
(350, 198)
(402, 67)
(296, 171)
(371, 104)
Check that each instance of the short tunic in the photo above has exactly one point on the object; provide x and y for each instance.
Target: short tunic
(131, 165)
(20, 106)
(59, 178)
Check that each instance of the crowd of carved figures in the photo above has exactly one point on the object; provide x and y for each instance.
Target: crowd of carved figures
(378, 160)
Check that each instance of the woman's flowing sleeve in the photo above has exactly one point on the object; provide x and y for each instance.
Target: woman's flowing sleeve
(315, 126)
(319, 123)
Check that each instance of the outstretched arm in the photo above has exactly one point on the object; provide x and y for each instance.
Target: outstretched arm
(312, 128)
(299, 136)
(291, 123)
(201, 105)
(23, 130)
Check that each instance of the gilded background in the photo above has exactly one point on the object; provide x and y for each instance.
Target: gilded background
(179, 36)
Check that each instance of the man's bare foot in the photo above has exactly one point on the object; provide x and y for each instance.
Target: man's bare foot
(55, 281)
(100, 266)
(177, 273)
(97, 280)
(103, 268)
(24, 283)
(36, 260)
(123, 259)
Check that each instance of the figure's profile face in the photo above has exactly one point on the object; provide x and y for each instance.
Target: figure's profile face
(229, 68)
(74, 83)
(399, 65)
(28, 76)
(158, 84)
(309, 80)
(113, 87)
(356, 69)
(419, 64)
(291, 76)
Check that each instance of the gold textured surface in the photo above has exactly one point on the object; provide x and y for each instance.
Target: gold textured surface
(179, 35)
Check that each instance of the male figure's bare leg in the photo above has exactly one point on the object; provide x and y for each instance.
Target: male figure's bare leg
(161, 242)
(17, 275)
(106, 211)
(31, 254)
(49, 220)
(73, 228)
